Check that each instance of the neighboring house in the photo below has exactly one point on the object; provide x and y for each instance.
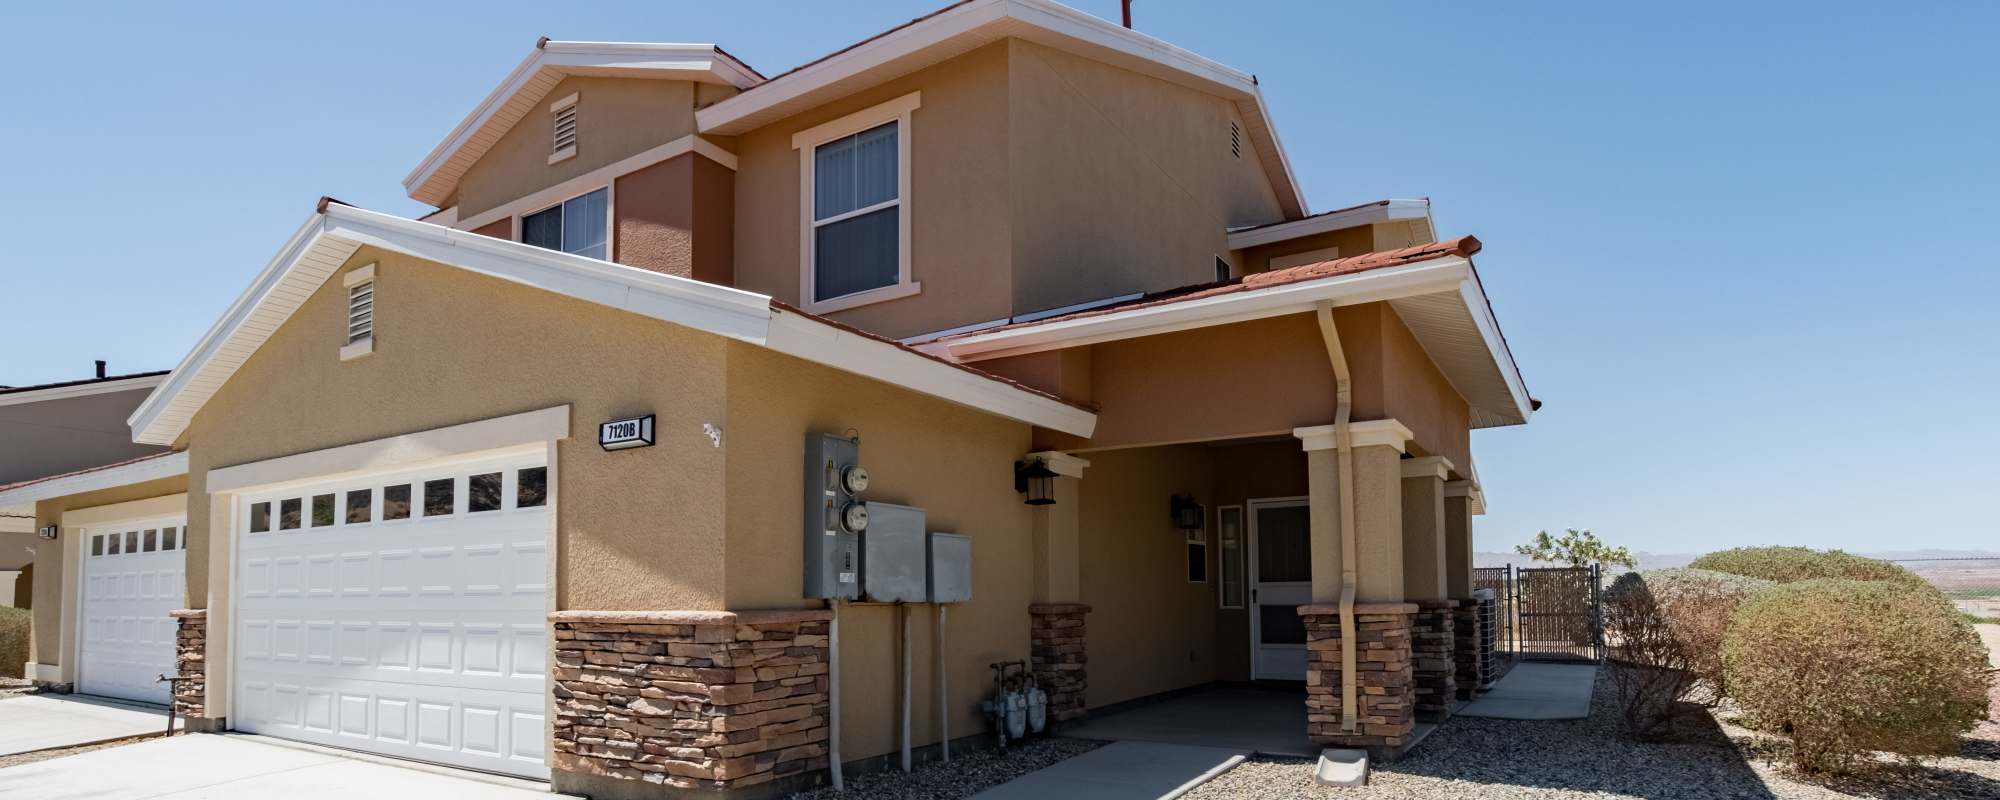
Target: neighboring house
(1047, 279)
(54, 428)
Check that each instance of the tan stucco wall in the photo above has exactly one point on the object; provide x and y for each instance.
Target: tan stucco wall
(1416, 394)
(638, 528)
(1150, 629)
(1121, 182)
(959, 184)
(51, 560)
(951, 461)
(615, 118)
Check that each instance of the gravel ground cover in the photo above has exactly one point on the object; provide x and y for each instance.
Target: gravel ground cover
(10, 687)
(1491, 758)
(966, 775)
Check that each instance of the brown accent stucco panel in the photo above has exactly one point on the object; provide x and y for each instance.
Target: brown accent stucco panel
(49, 557)
(638, 528)
(616, 118)
(953, 462)
(676, 217)
(499, 229)
(1351, 241)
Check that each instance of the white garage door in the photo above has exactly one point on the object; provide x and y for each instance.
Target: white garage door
(133, 574)
(403, 614)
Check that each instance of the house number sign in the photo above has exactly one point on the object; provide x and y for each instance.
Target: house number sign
(620, 434)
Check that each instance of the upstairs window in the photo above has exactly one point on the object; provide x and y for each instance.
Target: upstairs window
(855, 243)
(562, 118)
(577, 225)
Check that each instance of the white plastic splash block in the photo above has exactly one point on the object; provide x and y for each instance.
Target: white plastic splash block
(1342, 767)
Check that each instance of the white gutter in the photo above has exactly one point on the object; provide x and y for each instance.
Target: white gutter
(1387, 211)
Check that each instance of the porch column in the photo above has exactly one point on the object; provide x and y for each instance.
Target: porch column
(1432, 632)
(1056, 612)
(1473, 629)
(1384, 698)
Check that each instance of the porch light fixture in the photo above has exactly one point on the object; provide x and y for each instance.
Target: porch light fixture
(1037, 481)
(1188, 514)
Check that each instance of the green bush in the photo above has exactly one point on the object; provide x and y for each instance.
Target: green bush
(1697, 605)
(1848, 667)
(1651, 668)
(1789, 564)
(14, 624)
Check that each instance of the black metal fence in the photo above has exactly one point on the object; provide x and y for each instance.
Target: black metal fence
(1546, 613)
(1972, 583)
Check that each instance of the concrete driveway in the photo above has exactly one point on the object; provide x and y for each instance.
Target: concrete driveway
(224, 766)
(43, 721)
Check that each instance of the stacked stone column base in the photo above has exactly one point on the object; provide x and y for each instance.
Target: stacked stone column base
(1472, 647)
(1432, 643)
(733, 703)
(191, 664)
(1385, 692)
(1057, 656)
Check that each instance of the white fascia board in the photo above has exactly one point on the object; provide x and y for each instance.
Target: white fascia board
(177, 381)
(1489, 332)
(80, 390)
(151, 469)
(1369, 214)
(691, 61)
(815, 341)
(1426, 277)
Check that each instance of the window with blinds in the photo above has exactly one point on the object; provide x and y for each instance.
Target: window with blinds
(856, 213)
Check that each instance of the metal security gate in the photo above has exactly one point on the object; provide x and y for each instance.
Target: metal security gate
(1558, 613)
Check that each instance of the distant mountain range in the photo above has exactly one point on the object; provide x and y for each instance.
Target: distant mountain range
(1672, 560)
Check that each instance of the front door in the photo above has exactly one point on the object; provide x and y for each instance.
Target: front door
(1280, 582)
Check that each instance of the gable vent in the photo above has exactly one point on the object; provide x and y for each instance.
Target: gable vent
(360, 311)
(565, 128)
(1235, 140)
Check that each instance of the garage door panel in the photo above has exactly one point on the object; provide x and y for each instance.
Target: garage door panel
(408, 620)
(133, 576)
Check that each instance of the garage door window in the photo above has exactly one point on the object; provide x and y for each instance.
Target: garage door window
(322, 510)
(360, 503)
(260, 517)
(396, 502)
(167, 539)
(288, 515)
(531, 487)
(437, 497)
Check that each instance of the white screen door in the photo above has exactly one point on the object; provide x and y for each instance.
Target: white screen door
(1280, 582)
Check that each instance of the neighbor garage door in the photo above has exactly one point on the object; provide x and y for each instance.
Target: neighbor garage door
(400, 613)
(133, 574)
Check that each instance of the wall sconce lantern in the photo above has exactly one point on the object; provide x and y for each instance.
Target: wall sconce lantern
(1188, 514)
(1037, 481)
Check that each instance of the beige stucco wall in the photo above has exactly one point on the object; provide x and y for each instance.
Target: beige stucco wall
(615, 118)
(52, 561)
(638, 528)
(959, 183)
(1121, 182)
(951, 461)
(1150, 629)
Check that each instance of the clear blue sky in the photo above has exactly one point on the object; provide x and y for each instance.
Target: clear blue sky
(1746, 254)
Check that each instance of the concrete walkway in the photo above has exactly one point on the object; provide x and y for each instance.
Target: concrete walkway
(219, 766)
(1117, 771)
(42, 721)
(1266, 721)
(1533, 690)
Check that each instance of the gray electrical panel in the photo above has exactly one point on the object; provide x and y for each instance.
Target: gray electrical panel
(835, 513)
(893, 562)
(950, 558)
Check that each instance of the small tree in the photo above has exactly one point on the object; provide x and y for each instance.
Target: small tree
(1577, 549)
(1651, 668)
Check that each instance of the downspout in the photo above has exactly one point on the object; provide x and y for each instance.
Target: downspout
(1344, 449)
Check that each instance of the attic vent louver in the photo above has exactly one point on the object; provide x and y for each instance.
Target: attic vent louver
(360, 311)
(1235, 140)
(563, 143)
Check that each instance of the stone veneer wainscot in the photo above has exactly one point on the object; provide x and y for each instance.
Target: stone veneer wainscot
(733, 703)
(1433, 637)
(1385, 701)
(191, 665)
(1058, 658)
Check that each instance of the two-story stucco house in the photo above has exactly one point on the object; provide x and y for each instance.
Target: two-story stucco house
(551, 481)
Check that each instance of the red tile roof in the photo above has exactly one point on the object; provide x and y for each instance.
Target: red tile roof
(84, 471)
(61, 384)
(1462, 247)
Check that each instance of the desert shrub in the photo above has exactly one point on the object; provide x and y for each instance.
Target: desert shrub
(1651, 668)
(14, 624)
(1848, 667)
(1789, 564)
(1697, 605)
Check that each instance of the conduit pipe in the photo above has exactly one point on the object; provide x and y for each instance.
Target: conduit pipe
(833, 694)
(943, 705)
(1344, 450)
(903, 617)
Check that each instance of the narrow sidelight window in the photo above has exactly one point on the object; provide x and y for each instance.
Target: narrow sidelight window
(1229, 534)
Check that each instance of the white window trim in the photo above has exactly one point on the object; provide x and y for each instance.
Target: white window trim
(806, 141)
(1242, 562)
(365, 345)
(610, 217)
(592, 181)
(555, 108)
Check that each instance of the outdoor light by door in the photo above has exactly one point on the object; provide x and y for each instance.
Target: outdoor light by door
(1187, 513)
(1037, 481)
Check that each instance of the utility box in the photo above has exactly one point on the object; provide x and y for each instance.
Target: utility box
(893, 563)
(832, 511)
(950, 557)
